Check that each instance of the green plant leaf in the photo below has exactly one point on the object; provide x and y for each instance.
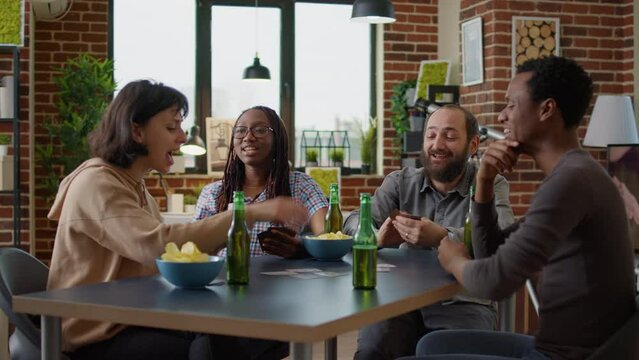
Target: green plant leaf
(85, 87)
(399, 113)
(311, 155)
(368, 141)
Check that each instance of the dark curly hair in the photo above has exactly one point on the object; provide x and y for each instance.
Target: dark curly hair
(561, 79)
(277, 183)
(137, 102)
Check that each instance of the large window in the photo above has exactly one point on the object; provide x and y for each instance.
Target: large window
(321, 64)
(332, 74)
(155, 39)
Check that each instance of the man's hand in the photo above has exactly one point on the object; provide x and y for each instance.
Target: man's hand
(453, 256)
(418, 231)
(500, 157)
(388, 236)
(282, 210)
(279, 243)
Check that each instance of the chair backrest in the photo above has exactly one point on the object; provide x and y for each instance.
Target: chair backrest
(21, 273)
(624, 343)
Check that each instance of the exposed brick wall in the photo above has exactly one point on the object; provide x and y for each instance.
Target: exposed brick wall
(352, 186)
(597, 34)
(83, 30)
(590, 31)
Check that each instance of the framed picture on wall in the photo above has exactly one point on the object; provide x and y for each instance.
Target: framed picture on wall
(218, 143)
(431, 72)
(12, 20)
(472, 52)
(325, 176)
(534, 37)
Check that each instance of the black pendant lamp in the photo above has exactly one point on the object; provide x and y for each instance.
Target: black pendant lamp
(257, 71)
(373, 11)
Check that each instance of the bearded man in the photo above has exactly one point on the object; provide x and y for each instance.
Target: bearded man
(416, 208)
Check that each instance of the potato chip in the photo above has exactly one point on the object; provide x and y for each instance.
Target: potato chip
(188, 253)
(171, 248)
(333, 236)
(189, 248)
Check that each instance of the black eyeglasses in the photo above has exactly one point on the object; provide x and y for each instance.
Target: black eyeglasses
(240, 132)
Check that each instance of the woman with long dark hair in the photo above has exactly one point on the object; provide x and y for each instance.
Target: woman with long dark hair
(258, 165)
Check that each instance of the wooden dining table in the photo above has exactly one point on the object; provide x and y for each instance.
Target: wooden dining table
(297, 309)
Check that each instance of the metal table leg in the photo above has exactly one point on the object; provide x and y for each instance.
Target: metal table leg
(507, 314)
(301, 351)
(51, 337)
(330, 349)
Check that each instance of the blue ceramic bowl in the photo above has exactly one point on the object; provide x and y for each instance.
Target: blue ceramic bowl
(327, 250)
(190, 275)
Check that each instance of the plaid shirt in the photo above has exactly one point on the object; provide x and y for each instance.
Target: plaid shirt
(303, 188)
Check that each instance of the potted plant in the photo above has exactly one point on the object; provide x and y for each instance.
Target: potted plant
(337, 157)
(311, 157)
(85, 87)
(189, 204)
(399, 111)
(5, 141)
(368, 142)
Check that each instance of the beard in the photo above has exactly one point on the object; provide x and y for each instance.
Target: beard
(450, 171)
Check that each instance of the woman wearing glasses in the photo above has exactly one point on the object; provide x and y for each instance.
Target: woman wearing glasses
(258, 165)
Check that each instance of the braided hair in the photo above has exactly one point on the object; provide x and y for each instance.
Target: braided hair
(277, 183)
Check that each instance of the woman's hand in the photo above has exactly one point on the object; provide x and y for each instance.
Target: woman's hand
(629, 200)
(282, 210)
(282, 244)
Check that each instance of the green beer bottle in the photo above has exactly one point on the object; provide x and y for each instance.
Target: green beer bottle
(365, 247)
(468, 240)
(237, 246)
(334, 219)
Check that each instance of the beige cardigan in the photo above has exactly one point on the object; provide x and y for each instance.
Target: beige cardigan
(109, 228)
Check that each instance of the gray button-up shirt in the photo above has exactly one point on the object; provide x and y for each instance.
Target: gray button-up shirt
(411, 191)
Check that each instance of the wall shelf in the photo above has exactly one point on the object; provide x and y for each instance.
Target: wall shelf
(14, 52)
